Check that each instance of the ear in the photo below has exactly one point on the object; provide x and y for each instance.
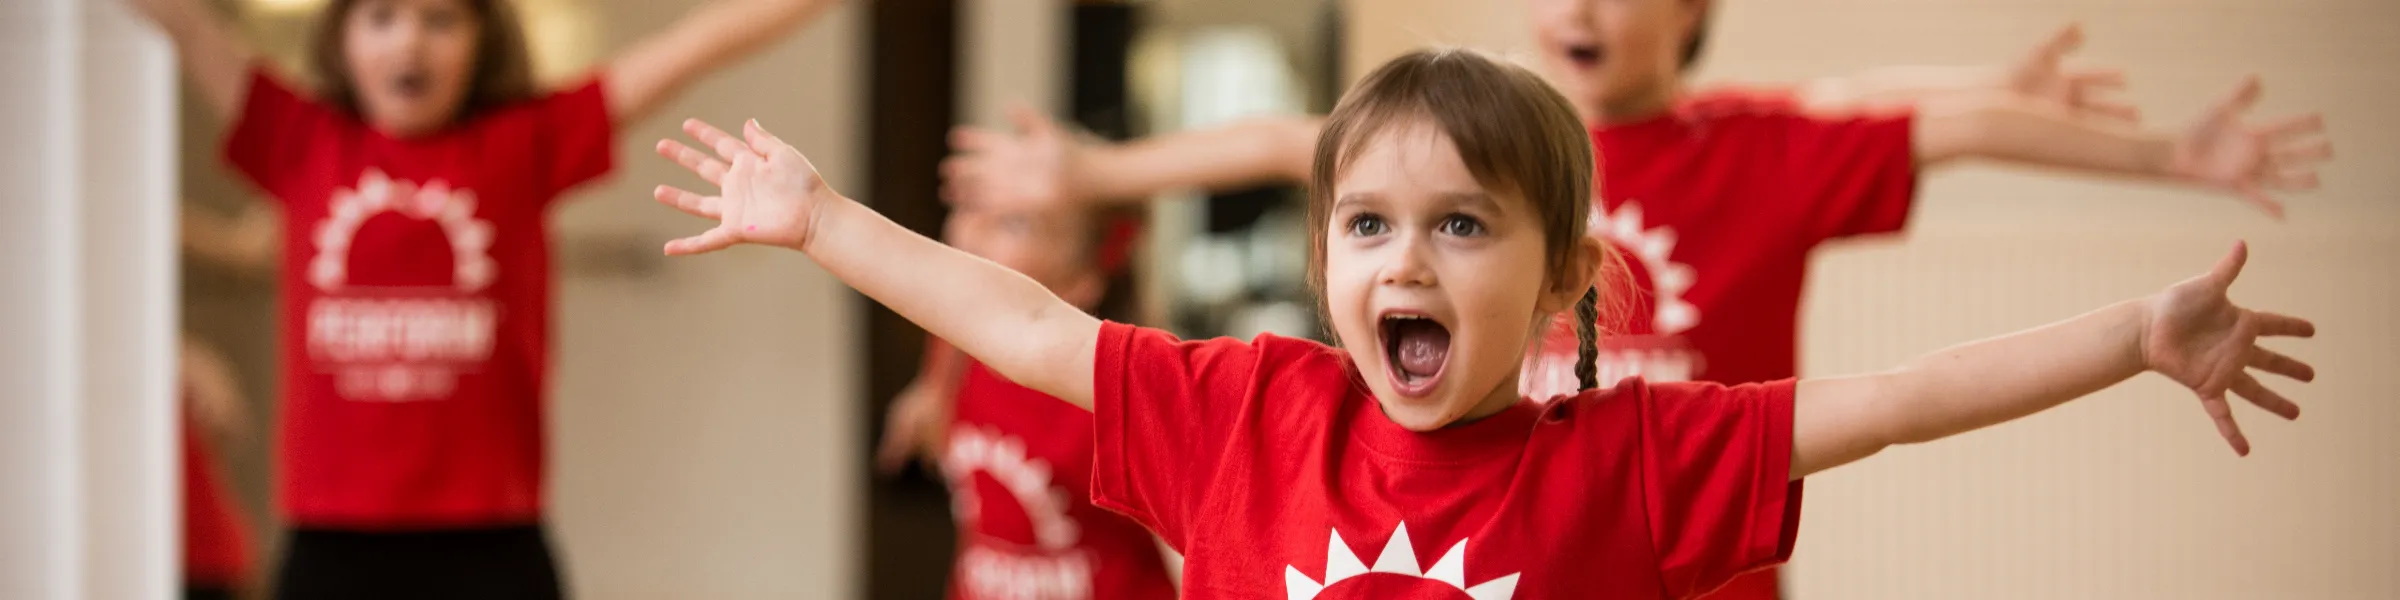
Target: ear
(1690, 15)
(1583, 263)
(1085, 289)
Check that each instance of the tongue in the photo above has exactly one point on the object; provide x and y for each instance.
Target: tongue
(1421, 346)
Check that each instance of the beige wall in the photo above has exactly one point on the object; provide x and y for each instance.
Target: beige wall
(2129, 493)
(703, 428)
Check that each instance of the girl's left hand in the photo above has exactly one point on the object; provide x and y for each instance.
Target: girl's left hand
(2225, 152)
(2199, 338)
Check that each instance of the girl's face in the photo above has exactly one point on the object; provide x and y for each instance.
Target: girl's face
(1042, 245)
(1614, 55)
(1434, 282)
(410, 61)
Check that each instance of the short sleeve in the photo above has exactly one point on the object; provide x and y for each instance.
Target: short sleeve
(276, 131)
(1162, 411)
(1855, 175)
(1717, 468)
(574, 133)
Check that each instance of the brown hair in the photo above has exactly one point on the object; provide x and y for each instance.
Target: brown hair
(503, 68)
(1514, 132)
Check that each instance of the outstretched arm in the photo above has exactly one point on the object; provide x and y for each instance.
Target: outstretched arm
(2041, 76)
(769, 194)
(245, 242)
(1044, 165)
(212, 55)
(2221, 151)
(653, 70)
(2189, 332)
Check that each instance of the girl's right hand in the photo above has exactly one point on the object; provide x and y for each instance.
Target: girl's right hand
(769, 193)
(1034, 169)
(2043, 75)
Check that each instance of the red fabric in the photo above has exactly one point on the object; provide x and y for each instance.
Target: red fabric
(1272, 469)
(416, 303)
(216, 543)
(1715, 207)
(1019, 465)
(1116, 249)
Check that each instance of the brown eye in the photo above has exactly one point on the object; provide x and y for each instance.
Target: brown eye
(381, 14)
(443, 20)
(1367, 225)
(1462, 226)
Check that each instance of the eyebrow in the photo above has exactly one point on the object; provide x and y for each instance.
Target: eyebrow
(1355, 198)
(1475, 199)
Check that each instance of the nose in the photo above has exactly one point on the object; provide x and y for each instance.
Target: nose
(1576, 12)
(1408, 265)
(1580, 11)
(409, 33)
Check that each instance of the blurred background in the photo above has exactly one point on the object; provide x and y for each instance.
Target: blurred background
(671, 479)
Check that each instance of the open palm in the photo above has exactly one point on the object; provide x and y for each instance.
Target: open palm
(1030, 170)
(2044, 74)
(768, 192)
(2225, 152)
(2202, 340)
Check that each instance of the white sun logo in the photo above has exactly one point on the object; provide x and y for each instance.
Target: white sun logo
(470, 238)
(1653, 247)
(1003, 457)
(1399, 557)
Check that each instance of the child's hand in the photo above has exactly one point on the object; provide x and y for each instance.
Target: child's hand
(913, 426)
(2043, 75)
(2224, 152)
(770, 193)
(213, 391)
(2197, 337)
(1032, 170)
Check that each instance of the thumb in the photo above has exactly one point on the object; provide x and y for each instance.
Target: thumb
(773, 148)
(761, 142)
(2244, 94)
(2065, 40)
(2229, 267)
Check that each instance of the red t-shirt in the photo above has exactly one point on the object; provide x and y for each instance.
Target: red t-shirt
(1714, 207)
(216, 547)
(1273, 470)
(416, 303)
(1020, 465)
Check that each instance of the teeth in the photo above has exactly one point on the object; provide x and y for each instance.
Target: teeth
(1405, 317)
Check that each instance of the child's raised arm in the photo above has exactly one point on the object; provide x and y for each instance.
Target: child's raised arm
(213, 56)
(2220, 151)
(1044, 165)
(2041, 75)
(644, 76)
(2190, 332)
(771, 195)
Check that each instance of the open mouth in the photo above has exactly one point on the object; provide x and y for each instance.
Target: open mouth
(412, 84)
(1585, 56)
(1416, 350)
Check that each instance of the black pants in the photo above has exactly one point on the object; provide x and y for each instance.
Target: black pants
(502, 563)
(207, 592)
